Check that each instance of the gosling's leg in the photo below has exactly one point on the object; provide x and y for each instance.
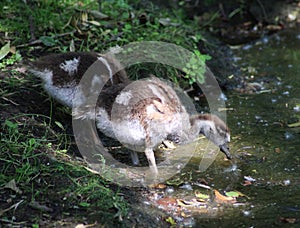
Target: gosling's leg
(134, 158)
(151, 159)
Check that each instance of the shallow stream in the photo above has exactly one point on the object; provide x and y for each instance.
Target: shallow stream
(264, 120)
(265, 136)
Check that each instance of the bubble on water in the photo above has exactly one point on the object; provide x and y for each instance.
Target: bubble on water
(246, 213)
(286, 182)
(232, 168)
(296, 108)
(247, 47)
(169, 190)
(274, 100)
(222, 97)
(257, 117)
(286, 93)
(265, 40)
(235, 59)
(288, 135)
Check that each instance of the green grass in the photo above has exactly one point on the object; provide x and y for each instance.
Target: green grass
(36, 154)
(41, 176)
(36, 145)
(60, 26)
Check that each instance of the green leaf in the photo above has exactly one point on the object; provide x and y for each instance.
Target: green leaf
(297, 124)
(48, 41)
(4, 50)
(11, 125)
(171, 221)
(234, 194)
(84, 204)
(175, 182)
(59, 125)
(32, 142)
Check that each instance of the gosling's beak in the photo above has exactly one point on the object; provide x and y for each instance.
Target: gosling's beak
(225, 149)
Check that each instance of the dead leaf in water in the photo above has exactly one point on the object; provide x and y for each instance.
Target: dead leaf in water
(159, 186)
(277, 150)
(288, 220)
(184, 203)
(167, 201)
(246, 183)
(223, 199)
(193, 203)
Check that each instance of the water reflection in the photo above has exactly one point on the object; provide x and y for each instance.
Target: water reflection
(266, 146)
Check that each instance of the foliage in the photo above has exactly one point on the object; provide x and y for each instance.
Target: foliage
(33, 157)
(62, 26)
(14, 58)
(23, 160)
(33, 146)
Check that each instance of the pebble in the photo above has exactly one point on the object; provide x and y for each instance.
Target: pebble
(187, 186)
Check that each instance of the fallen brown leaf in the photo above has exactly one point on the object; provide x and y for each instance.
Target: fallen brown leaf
(223, 199)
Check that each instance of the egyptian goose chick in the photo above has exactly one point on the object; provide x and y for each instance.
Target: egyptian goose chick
(141, 114)
(147, 112)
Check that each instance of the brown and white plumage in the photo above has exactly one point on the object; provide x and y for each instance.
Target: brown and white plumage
(140, 114)
(147, 112)
(61, 73)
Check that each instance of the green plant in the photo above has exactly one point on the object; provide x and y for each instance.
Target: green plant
(195, 68)
(99, 196)
(24, 160)
(121, 29)
(18, 151)
(10, 60)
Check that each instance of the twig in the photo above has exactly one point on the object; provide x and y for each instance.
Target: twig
(4, 98)
(11, 207)
(34, 42)
(203, 186)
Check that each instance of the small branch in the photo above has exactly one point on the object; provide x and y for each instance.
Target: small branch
(11, 207)
(6, 99)
(34, 42)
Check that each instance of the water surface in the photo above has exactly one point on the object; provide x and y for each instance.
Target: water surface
(266, 148)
